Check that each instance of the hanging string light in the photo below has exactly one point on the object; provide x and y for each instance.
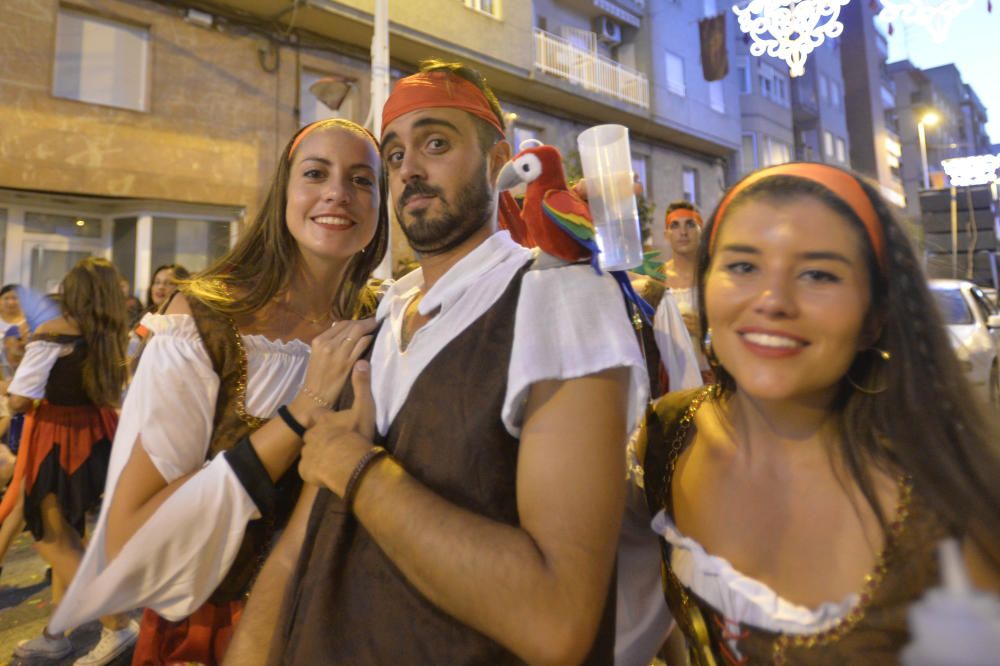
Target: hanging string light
(790, 29)
(934, 16)
(974, 170)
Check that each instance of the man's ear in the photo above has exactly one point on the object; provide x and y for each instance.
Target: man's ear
(499, 154)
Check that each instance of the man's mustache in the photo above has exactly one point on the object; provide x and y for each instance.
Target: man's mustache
(419, 189)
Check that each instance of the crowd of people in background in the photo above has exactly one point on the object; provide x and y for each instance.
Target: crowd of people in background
(483, 462)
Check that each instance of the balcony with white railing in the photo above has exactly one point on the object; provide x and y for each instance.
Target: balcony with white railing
(590, 70)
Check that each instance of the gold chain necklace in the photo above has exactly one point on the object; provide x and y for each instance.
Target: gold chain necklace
(315, 321)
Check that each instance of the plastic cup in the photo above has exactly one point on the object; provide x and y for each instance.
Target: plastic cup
(607, 166)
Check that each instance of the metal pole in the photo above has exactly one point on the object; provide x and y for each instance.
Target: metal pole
(923, 154)
(379, 94)
(954, 232)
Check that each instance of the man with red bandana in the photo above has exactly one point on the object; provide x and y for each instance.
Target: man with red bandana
(470, 488)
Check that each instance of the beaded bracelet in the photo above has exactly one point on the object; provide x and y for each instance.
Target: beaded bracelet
(315, 397)
(351, 489)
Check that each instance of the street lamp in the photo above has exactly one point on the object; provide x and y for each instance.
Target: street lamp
(929, 119)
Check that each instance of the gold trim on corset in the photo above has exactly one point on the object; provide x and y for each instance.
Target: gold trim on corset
(693, 621)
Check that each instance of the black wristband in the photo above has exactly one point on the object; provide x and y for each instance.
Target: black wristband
(253, 476)
(291, 421)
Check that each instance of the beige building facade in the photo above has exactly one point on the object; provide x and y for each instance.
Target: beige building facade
(147, 132)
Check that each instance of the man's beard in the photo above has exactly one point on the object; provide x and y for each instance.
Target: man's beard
(456, 224)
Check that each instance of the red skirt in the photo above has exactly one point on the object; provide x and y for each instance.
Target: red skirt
(66, 454)
(201, 638)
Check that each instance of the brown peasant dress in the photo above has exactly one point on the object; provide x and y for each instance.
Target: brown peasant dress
(873, 632)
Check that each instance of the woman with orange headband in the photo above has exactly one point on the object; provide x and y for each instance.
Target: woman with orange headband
(799, 499)
(245, 357)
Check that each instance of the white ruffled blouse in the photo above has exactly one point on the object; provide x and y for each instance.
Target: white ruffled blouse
(738, 597)
(180, 555)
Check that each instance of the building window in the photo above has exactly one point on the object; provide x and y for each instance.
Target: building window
(101, 61)
(749, 152)
(318, 104)
(841, 151)
(194, 244)
(773, 84)
(490, 7)
(522, 133)
(743, 73)
(824, 88)
(776, 152)
(689, 185)
(828, 150)
(716, 96)
(675, 74)
(639, 169)
(834, 93)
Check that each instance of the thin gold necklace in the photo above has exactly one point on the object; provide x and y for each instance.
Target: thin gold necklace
(315, 321)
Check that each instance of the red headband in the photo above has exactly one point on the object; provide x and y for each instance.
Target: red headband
(684, 213)
(437, 89)
(329, 122)
(842, 184)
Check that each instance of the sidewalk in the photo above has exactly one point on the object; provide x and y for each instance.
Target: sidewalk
(25, 605)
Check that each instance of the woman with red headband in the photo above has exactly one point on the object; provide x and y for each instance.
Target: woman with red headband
(799, 499)
(244, 358)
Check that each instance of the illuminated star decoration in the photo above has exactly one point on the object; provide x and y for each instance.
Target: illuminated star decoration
(790, 29)
(975, 170)
(934, 16)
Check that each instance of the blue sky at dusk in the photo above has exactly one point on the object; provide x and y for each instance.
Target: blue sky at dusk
(972, 44)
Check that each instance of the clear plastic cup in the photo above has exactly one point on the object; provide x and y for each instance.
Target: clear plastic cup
(607, 166)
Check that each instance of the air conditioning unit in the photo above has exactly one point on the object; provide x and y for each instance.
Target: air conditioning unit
(607, 30)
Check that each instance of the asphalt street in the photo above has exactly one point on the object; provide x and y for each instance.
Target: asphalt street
(25, 605)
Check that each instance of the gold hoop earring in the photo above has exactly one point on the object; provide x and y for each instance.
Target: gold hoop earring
(882, 355)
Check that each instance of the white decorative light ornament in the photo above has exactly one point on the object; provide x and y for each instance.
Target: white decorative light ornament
(975, 170)
(934, 16)
(790, 29)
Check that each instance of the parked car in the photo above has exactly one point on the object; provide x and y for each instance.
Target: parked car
(974, 324)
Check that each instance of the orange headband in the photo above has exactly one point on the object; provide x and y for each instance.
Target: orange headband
(346, 124)
(841, 183)
(437, 89)
(684, 213)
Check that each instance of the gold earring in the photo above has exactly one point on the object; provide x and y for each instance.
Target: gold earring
(884, 356)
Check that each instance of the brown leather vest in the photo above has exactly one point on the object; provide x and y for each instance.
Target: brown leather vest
(873, 633)
(228, 357)
(351, 604)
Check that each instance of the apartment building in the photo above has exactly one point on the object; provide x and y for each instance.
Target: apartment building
(818, 111)
(766, 124)
(146, 131)
(916, 96)
(870, 101)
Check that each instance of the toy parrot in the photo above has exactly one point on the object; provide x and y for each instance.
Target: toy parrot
(555, 218)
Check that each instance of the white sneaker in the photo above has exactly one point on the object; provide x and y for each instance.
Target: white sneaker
(111, 645)
(43, 646)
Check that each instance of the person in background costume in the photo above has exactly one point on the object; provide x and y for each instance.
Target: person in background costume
(471, 484)
(75, 364)
(245, 356)
(801, 498)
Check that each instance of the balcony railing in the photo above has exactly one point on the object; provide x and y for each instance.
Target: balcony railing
(558, 57)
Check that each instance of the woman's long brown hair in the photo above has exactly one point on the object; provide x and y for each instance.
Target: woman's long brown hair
(262, 262)
(92, 297)
(926, 423)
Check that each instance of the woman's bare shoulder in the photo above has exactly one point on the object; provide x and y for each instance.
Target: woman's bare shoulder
(58, 326)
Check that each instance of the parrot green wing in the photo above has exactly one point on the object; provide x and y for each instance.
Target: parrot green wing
(571, 214)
